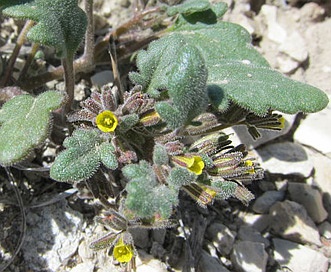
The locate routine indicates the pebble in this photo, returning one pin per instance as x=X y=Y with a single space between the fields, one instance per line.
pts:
x=314 y=132
x=208 y=263
x=299 y=258
x=52 y=237
x=249 y=256
x=259 y=222
x=285 y=158
x=247 y=233
x=275 y=31
x=221 y=237
x=291 y=221
x=263 y=203
x=310 y=198
x=295 y=46
x=325 y=230
x=102 y=78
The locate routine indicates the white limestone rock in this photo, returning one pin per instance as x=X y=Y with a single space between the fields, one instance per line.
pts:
x=297 y=257
x=310 y=198
x=295 y=46
x=291 y=221
x=249 y=256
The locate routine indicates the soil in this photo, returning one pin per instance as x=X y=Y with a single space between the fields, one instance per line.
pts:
x=50 y=205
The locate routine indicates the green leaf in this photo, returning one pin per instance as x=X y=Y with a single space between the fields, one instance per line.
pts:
x=189 y=7
x=174 y=71
x=60 y=23
x=237 y=72
x=81 y=158
x=107 y=156
x=25 y=124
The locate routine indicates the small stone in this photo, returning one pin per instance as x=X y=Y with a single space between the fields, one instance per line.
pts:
x=297 y=257
x=249 y=256
x=285 y=158
x=275 y=32
x=247 y=233
x=146 y=263
x=102 y=78
x=291 y=221
x=286 y=65
x=260 y=222
x=295 y=47
x=141 y=237
x=221 y=236
x=313 y=131
x=208 y=263
x=312 y=12
x=263 y=203
x=85 y=266
x=325 y=230
x=310 y=198
x=85 y=252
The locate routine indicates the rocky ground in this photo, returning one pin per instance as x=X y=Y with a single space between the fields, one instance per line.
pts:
x=286 y=228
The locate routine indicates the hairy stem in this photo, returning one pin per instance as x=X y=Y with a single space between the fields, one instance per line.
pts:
x=69 y=79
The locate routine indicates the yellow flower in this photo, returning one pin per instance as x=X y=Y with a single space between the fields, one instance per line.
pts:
x=106 y=121
x=250 y=164
x=123 y=252
x=193 y=163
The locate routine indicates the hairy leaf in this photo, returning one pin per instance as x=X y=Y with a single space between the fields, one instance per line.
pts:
x=80 y=160
x=60 y=23
x=85 y=151
x=25 y=124
x=174 y=71
x=237 y=72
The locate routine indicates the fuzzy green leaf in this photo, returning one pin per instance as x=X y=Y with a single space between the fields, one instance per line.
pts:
x=160 y=155
x=81 y=158
x=237 y=72
x=180 y=176
x=107 y=156
x=174 y=71
x=189 y=7
x=25 y=124
x=60 y=23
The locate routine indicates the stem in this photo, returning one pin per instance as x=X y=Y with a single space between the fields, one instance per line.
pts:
x=28 y=62
x=89 y=35
x=19 y=43
x=69 y=79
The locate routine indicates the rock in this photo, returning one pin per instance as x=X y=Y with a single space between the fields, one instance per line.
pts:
x=263 y=203
x=221 y=236
x=291 y=221
x=310 y=198
x=141 y=237
x=319 y=72
x=249 y=256
x=247 y=233
x=208 y=263
x=285 y=158
x=102 y=78
x=325 y=230
x=159 y=235
x=86 y=267
x=260 y=222
x=275 y=31
x=286 y=65
x=85 y=252
x=297 y=257
x=52 y=237
x=295 y=46
x=312 y=12
x=313 y=131
x=146 y=263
